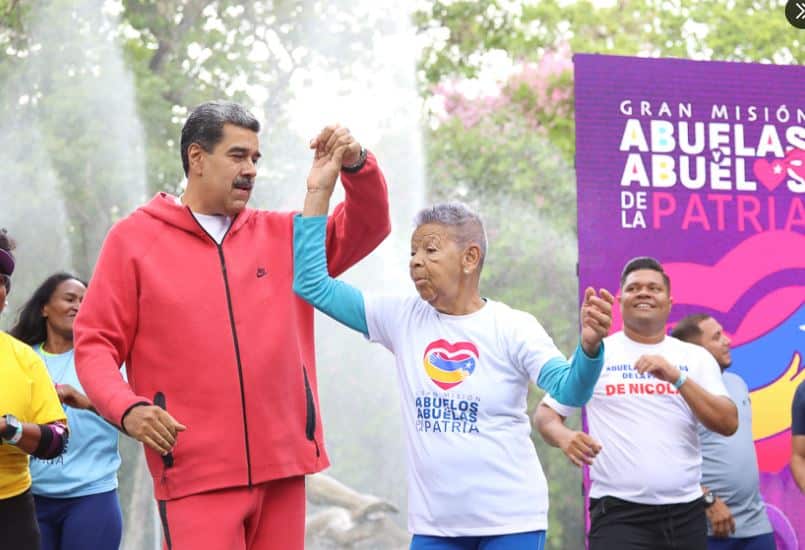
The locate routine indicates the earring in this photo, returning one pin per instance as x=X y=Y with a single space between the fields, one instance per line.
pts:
x=466 y=271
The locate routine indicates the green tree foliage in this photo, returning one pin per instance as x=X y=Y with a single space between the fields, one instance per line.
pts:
x=739 y=30
x=57 y=71
x=184 y=52
x=94 y=93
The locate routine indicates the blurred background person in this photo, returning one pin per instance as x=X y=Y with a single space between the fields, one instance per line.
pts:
x=798 y=436
x=736 y=514
x=76 y=497
x=32 y=422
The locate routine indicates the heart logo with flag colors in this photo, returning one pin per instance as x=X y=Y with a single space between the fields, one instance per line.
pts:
x=447 y=364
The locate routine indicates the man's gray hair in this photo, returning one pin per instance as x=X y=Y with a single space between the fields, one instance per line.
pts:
x=466 y=225
x=205 y=126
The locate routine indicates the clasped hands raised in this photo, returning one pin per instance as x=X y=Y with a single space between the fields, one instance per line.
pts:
x=334 y=148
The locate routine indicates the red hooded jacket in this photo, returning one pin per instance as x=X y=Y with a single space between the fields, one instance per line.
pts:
x=219 y=332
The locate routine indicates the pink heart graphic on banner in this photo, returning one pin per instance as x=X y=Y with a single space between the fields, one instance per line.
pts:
x=770 y=174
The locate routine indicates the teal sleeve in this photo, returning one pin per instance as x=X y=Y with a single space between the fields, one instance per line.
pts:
x=572 y=384
x=312 y=283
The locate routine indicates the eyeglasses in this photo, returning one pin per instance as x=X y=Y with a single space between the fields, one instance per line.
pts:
x=6 y=281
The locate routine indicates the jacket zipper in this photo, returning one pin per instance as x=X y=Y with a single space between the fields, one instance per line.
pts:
x=220 y=249
x=237 y=357
x=163 y=516
x=167 y=460
x=310 y=413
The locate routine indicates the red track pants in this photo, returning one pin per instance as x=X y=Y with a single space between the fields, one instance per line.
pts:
x=269 y=516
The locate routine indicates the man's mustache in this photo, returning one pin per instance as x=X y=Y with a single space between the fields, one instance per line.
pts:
x=243 y=183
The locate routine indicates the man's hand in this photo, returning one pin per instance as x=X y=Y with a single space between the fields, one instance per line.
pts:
x=658 y=367
x=596 y=318
x=72 y=397
x=580 y=448
x=334 y=148
x=153 y=426
x=721 y=519
x=327 y=141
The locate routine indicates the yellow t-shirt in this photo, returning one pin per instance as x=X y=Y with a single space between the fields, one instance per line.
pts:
x=27 y=392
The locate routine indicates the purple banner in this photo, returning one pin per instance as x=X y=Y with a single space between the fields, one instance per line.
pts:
x=702 y=166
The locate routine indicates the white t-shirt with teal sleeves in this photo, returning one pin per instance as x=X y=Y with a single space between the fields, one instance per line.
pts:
x=463 y=381
x=472 y=468
x=89 y=464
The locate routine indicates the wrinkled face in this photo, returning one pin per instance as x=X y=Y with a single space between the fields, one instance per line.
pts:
x=644 y=299
x=61 y=309
x=716 y=342
x=227 y=173
x=435 y=265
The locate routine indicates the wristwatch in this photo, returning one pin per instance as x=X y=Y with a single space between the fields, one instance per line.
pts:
x=709 y=499
x=13 y=432
x=352 y=168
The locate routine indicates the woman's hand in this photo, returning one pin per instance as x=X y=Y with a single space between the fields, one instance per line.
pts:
x=580 y=448
x=71 y=397
x=334 y=148
x=596 y=318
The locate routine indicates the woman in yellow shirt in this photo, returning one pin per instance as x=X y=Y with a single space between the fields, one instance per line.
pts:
x=32 y=422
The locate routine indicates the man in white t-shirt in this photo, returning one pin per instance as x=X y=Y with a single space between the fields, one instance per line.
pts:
x=653 y=392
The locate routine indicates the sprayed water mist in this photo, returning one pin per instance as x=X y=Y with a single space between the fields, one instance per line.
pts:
x=372 y=92
x=72 y=149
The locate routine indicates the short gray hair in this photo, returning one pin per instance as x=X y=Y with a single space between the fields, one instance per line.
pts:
x=467 y=226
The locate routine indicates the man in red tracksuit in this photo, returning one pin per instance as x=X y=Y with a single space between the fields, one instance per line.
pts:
x=194 y=295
